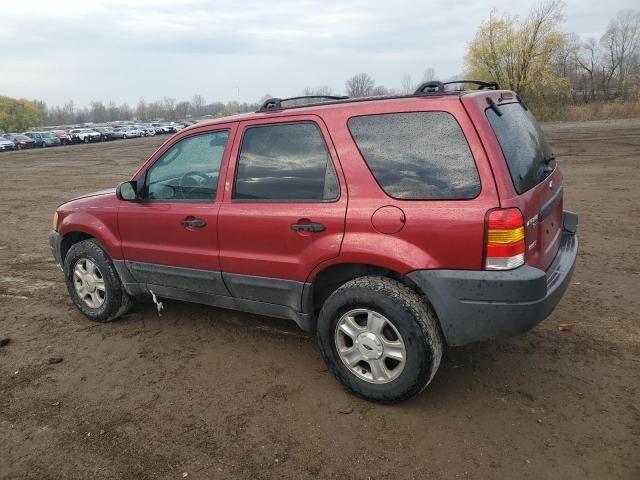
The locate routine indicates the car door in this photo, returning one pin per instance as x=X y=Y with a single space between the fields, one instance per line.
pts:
x=284 y=208
x=169 y=237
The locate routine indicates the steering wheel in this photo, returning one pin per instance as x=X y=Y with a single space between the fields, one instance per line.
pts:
x=189 y=182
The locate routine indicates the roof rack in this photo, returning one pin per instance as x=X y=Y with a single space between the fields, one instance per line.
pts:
x=430 y=87
x=435 y=87
x=427 y=88
x=276 y=103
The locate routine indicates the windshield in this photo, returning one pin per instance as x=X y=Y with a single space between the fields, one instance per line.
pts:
x=525 y=149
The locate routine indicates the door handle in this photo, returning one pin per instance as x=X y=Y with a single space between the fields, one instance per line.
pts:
x=193 y=223
x=308 y=227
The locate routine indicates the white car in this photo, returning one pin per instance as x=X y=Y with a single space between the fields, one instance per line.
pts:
x=132 y=132
x=147 y=130
x=6 y=144
x=159 y=128
x=84 y=135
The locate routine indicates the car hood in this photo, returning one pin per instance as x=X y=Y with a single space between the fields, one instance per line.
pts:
x=100 y=193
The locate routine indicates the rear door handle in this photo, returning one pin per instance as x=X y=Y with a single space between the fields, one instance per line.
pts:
x=193 y=223
x=308 y=227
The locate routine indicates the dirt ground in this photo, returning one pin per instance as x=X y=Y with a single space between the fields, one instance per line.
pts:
x=218 y=394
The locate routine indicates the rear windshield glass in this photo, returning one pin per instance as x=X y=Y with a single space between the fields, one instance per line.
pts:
x=417 y=155
x=523 y=145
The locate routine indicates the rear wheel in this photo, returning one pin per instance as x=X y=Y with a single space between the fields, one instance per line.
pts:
x=380 y=339
x=86 y=139
x=93 y=283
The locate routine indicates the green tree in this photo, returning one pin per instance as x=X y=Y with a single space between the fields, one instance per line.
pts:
x=18 y=115
x=517 y=53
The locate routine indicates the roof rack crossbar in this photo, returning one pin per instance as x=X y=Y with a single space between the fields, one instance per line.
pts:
x=435 y=87
x=430 y=87
x=481 y=85
x=276 y=103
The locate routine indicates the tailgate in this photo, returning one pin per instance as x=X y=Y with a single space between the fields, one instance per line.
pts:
x=542 y=210
x=535 y=177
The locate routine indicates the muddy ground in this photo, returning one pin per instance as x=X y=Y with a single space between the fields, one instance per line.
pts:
x=218 y=394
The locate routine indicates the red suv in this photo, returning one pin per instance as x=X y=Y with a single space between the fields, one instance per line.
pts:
x=390 y=226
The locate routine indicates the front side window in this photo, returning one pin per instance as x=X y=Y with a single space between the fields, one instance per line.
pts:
x=285 y=162
x=417 y=155
x=189 y=170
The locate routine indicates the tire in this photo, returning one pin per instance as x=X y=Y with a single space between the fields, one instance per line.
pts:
x=86 y=139
x=408 y=321
x=116 y=302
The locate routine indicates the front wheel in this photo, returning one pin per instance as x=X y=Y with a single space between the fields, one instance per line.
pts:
x=93 y=283
x=380 y=339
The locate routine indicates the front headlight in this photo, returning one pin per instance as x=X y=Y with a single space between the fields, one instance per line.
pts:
x=55 y=221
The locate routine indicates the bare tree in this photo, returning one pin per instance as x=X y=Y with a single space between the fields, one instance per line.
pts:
x=322 y=90
x=587 y=60
x=124 y=111
x=197 y=103
x=112 y=111
x=406 y=85
x=98 y=112
x=379 y=91
x=182 y=109
x=429 y=74
x=610 y=62
x=360 y=85
x=155 y=111
x=622 y=43
x=564 y=59
x=44 y=110
x=142 y=110
x=68 y=112
x=169 y=105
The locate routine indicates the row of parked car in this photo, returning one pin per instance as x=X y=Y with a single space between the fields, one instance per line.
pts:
x=52 y=138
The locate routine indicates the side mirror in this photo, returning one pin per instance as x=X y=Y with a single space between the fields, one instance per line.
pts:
x=127 y=191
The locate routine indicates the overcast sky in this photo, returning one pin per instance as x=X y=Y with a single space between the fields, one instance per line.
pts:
x=124 y=50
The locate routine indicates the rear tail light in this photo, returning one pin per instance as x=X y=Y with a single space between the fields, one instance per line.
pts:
x=505 y=239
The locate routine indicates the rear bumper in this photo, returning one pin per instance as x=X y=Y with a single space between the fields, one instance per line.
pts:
x=480 y=305
x=55 y=241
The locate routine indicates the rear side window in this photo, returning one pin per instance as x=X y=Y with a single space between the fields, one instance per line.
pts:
x=285 y=162
x=523 y=145
x=417 y=155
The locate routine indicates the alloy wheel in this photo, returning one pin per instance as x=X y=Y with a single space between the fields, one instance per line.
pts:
x=370 y=346
x=89 y=283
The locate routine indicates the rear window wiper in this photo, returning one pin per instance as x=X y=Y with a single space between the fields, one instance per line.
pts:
x=547 y=165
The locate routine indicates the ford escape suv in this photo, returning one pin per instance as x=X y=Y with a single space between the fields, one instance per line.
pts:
x=390 y=226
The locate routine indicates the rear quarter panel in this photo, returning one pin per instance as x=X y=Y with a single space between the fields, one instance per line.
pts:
x=437 y=233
